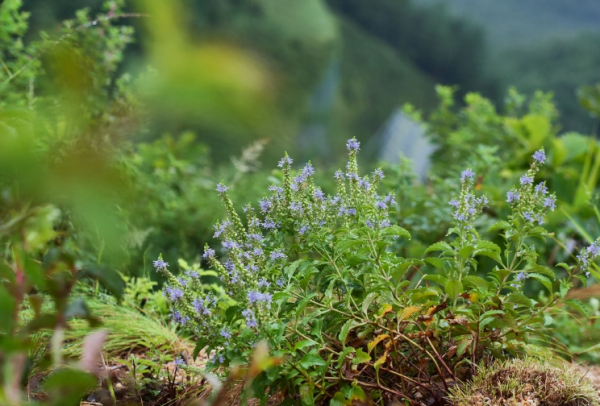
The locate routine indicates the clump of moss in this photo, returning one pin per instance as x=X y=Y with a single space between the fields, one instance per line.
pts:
x=525 y=382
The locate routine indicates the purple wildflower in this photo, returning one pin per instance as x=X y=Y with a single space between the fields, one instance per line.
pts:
x=160 y=264
x=540 y=156
x=208 y=253
x=467 y=174
x=550 y=202
x=338 y=175
x=390 y=199
x=221 y=188
x=308 y=170
x=225 y=334
x=521 y=277
x=263 y=282
x=365 y=184
x=381 y=205
x=179 y=361
x=454 y=203
x=230 y=244
x=268 y=223
x=352 y=145
x=526 y=180
x=512 y=196
x=280 y=282
x=250 y=319
x=277 y=254
x=296 y=206
x=351 y=211
x=303 y=229
x=265 y=205
x=285 y=160
x=378 y=174
x=528 y=216
x=174 y=293
x=541 y=188
x=384 y=223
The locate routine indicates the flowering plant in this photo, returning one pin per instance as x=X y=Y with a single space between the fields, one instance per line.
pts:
x=315 y=276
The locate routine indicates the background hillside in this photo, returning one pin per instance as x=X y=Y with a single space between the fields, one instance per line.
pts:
x=340 y=67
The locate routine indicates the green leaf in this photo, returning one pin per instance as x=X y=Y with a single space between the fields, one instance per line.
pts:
x=302 y=305
x=440 y=246
x=519 y=299
x=491 y=313
x=543 y=279
x=485 y=322
x=488 y=249
x=396 y=231
x=500 y=225
x=578 y=306
x=303 y=344
x=344 y=331
x=368 y=300
x=462 y=346
x=465 y=252
x=476 y=282
x=439 y=279
x=200 y=344
x=345 y=352
x=543 y=270
x=345 y=245
x=454 y=288
x=311 y=359
x=436 y=262
x=361 y=357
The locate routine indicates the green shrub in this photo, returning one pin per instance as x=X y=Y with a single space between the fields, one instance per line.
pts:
x=322 y=286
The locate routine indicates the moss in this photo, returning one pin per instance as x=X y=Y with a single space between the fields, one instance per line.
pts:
x=525 y=381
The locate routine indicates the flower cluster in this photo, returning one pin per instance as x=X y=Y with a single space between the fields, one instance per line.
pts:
x=531 y=201
x=467 y=207
x=587 y=256
x=253 y=257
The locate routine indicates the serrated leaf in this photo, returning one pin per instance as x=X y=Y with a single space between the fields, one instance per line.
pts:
x=543 y=279
x=396 y=231
x=310 y=360
x=439 y=279
x=577 y=305
x=345 y=245
x=440 y=246
x=466 y=251
x=436 y=262
x=454 y=288
x=500 y=225
x=476 y=282
x=519 y=299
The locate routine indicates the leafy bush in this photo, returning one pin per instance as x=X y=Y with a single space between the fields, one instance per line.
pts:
x=315 y=277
